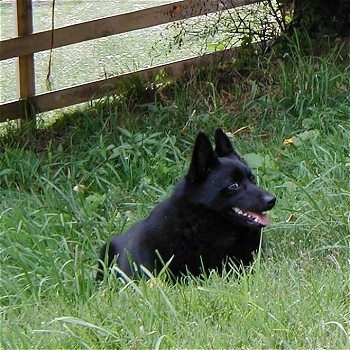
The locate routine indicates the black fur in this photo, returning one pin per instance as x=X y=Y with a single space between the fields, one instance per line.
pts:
x=198 y=227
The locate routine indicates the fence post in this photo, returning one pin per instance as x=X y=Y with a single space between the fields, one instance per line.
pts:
x=25 y=67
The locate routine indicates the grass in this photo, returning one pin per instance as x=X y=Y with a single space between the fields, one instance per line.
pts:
x=67 y=187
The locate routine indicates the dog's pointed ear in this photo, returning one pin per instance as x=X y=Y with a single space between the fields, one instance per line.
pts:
x=203 y=159
x=223 y=145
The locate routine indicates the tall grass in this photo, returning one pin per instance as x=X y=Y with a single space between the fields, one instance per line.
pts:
x=67 y=188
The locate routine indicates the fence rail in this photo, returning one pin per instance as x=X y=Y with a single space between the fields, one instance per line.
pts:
x=27 y=43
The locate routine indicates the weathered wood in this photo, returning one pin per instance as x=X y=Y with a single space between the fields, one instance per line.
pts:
x=25 y=66
x=28 y=44
x=85 y=92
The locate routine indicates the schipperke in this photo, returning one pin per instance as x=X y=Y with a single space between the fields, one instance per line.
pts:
x=215 y=214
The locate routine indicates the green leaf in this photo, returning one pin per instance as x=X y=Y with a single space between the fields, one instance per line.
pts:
x=301 y=138
x=255 y=160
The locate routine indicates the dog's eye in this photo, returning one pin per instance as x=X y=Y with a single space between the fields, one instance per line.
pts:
x=234 y=186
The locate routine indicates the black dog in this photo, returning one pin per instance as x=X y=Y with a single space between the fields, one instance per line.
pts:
x=214 y=214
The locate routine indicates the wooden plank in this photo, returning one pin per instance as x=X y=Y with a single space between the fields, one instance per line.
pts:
x=28 y=44
x=25 y=66
x=86 y=92
x=11 y=110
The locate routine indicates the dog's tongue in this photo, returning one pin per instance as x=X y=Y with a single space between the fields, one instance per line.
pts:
x=264 y=220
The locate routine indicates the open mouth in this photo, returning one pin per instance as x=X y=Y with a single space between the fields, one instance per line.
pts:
x=250 y=217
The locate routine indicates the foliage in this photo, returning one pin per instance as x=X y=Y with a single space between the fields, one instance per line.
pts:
x=69 y=186
x=259 y=23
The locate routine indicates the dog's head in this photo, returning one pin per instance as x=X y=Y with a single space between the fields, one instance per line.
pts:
x=222 y=181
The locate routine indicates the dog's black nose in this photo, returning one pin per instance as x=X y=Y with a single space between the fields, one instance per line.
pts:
x=269 y=201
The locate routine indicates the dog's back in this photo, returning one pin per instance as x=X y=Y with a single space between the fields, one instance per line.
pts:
x=214 y=214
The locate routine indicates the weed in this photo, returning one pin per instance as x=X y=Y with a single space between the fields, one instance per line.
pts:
x=65 y=189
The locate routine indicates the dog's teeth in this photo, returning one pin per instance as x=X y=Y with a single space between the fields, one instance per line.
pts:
x=238 y=211
x=246 y=215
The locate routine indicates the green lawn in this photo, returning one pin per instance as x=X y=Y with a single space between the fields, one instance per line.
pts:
x=67 y=187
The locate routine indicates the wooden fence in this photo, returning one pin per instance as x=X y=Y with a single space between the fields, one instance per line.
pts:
x=27 y=43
